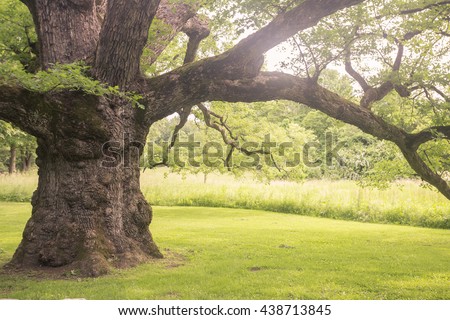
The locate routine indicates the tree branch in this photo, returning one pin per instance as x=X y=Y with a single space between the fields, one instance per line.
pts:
x=376 y=94
x=24 y=109
x=196 y=29
x=353 y=73
x=184 y=116
x=424 y=171
x=232 y=140
x=124 y=34
x=279 y=86
x=243 y=61
x=430 y=6
x=174 y=17
x=286 y=25
x=439 y=92
x=417 y=139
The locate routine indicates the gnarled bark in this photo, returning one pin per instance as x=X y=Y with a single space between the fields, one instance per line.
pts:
x=88 y=211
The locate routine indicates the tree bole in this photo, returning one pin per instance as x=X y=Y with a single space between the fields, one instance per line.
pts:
x=88 y=211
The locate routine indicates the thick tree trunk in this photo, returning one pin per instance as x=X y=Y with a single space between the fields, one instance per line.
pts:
x=88 y=211
x=12 y=159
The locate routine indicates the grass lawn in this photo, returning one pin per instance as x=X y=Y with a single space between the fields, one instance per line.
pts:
x=216 y=253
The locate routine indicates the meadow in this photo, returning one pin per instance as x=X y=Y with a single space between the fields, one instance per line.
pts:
x=404 y=203
x=218 y=253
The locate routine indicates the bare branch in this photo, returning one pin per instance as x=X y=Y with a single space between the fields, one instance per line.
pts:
x=353 y=73
x=196 y=29
x=230 y=140
x=184 y=117
x=174 y=17
x=433 y=133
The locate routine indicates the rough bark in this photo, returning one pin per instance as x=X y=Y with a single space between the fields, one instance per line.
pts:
x=122 y=39
x=27 y=110
x=67 y=30
x=88 y=211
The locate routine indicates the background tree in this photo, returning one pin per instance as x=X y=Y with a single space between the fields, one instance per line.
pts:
x=17 y=149
x=88 y=211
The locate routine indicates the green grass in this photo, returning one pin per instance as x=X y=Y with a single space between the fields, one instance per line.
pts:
x=244 y=254
x=404 y=203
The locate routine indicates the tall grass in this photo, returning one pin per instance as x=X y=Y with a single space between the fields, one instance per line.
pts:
x=17 y=187
x=404 y=203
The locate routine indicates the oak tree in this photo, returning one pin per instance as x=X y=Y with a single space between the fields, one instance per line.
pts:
x=88 y=210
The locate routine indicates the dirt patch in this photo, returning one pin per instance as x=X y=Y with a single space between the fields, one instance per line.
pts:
x=256 y=269
x=285 y=246
x=173 y=295
x=173 y=259
x=72 y=272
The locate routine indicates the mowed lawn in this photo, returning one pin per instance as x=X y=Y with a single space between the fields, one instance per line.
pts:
x=215 y=253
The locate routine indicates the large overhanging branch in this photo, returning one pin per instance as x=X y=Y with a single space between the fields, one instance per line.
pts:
x=242 y=61
x=279 y=86
x=286 y=25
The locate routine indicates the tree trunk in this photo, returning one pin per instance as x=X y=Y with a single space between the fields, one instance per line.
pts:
x=12 y=159
x=27 y=161
x=88 y=211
